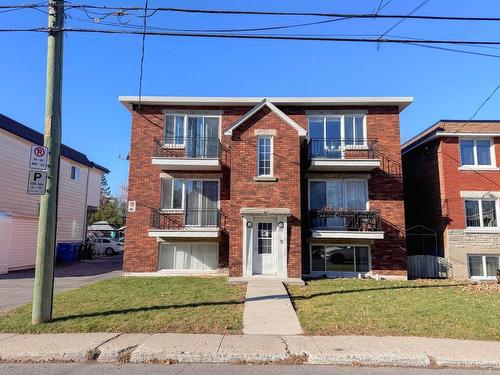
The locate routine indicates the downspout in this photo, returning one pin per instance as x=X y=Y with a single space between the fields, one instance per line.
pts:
x=84 y=239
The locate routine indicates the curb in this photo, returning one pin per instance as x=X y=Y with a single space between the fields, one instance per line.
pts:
x=250 y=349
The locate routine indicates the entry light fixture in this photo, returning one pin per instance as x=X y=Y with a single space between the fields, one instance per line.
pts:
x=281 y=225
x=249 y=224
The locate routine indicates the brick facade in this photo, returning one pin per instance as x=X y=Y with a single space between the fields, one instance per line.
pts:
x=238 y=189
x=434 y=181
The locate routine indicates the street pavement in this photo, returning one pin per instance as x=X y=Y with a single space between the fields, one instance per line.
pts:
x=16 y=288
x=211 y=369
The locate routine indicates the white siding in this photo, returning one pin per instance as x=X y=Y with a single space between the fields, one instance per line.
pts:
x=72 y=205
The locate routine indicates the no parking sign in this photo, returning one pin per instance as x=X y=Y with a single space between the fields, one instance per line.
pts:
x=38 y=157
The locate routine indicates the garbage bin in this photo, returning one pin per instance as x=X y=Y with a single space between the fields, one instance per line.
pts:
x=64 y=252
x=75 y=247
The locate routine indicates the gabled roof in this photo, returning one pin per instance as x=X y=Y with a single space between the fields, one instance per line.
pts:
x=266 y=103
x=22 y=131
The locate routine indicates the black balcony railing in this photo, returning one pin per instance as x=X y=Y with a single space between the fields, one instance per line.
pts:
x=188 y=218
x=345 y=148
x=188 y=147
x=345 y=219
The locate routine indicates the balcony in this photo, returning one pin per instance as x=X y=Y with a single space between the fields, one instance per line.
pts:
x=345 y=223
x=188 y=223
x=330 y=154
x=187 y=154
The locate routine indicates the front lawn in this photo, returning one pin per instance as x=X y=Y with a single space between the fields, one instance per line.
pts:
x=398 y=308
x=141 y=304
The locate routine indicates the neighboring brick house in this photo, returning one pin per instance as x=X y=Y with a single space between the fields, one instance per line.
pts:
x=278 y=187
x=452 y=192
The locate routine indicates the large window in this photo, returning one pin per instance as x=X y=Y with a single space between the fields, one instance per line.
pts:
x=351 y=194
x=476 y=152
x=330 y=136
x=483 y=266
x=199 y=134
x=481 y=213
x=340 y=258
x=264 y=155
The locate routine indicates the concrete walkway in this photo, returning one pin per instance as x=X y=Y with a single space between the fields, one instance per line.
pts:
x=268 y=310
x=190 y=348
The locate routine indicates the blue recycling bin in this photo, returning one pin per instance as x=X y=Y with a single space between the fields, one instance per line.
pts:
x=75 y=248
x=64 y=252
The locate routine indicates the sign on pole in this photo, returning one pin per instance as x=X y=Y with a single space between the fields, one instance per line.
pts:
x=37 y=180
x=131 y=206
x=38 y=157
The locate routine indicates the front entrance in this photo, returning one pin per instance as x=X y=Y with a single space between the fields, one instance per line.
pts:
x=264 y=251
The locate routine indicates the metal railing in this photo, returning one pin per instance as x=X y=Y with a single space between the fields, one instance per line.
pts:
x=188 y=147
x=345 y=148
x=345 y=219
x=187 y=218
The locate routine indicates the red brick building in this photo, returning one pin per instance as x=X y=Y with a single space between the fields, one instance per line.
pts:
x=279 y=187
x=452 y=195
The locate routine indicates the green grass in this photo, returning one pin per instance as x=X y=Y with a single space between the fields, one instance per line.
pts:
x=145 y=304
x=398 y=308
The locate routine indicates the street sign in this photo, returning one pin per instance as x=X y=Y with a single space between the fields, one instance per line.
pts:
x=37 y=180
x=38 y=157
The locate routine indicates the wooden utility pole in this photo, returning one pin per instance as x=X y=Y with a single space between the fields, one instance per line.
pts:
x=47 y=223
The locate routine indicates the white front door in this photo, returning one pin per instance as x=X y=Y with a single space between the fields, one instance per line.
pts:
x=264 y=251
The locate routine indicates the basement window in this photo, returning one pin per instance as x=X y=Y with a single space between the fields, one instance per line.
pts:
x=483 y=266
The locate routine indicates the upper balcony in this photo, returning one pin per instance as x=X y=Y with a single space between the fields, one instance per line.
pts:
x=186 y=223
x=332 y=154
x=187 y=154
x=328 y=222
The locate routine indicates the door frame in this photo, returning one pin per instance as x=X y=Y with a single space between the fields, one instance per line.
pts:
x=274 y=247
x=280 y=244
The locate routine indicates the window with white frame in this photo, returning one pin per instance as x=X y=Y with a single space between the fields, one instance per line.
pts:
x=329 y=135
x=476 y=152
x=264 y=155
x=198 y=133
x=172 y=194
x=481 y=213
x=351 y=194
x=75 y=173
x=483 y=266
x=340 y=258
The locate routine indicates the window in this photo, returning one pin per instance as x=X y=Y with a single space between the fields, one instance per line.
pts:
x=200 y=134
x=351 y=194
x=172 y=193
x=264 y=238
x=330 y=135
x=476 y=152
x=340 y=258
x=264 y=156
x=75 y=173
x=483 y=266
x=481 y=213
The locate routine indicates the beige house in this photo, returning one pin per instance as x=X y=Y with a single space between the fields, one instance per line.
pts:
x=79 y=190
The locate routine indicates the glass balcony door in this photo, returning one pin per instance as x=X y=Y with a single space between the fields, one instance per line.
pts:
x=202 y=199
x=202 y=137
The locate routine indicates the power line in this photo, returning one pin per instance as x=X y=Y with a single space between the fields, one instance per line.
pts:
x=265 y=13
x=404 y=19
x=142 y=52
x=264 y=36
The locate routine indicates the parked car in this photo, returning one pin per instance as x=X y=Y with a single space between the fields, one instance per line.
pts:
x=108 y=246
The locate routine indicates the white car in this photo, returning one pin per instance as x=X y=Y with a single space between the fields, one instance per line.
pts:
x=108 y=246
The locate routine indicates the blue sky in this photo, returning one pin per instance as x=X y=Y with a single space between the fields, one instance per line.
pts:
x=98 y=68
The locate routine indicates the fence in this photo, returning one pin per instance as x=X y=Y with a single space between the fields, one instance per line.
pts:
x=427 y=267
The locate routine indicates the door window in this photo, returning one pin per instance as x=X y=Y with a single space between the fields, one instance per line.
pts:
x=264 y=238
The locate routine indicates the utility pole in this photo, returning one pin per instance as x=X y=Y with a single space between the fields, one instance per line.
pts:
x=47 y=223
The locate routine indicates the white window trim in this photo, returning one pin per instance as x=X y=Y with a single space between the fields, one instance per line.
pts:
x=185 y=115
x=482 y=228
x=492 y=165
x=344 y=183
x=271 y=155
x=484 y=266
x=77 y=174
x=183 y=203
x=340 y=115
x=351 y=273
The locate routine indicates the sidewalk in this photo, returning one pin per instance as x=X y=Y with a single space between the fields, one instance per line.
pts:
x=170 y=347
x=268 y=310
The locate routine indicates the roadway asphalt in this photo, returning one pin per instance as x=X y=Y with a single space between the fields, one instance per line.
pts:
x=16 y=288
x=207 y=369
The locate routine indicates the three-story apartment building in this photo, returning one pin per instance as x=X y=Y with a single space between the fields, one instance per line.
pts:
x=256 y=187
x=452 y=195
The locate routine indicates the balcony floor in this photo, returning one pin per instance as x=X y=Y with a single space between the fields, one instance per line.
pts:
x=187 y=164
x=325 y=164
x=367 y=235
x=187 y=233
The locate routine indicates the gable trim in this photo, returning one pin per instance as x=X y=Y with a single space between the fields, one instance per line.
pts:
x=272 y=107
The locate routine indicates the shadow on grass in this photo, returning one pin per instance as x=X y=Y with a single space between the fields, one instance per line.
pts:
x=144 y=309
x=333 y=292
